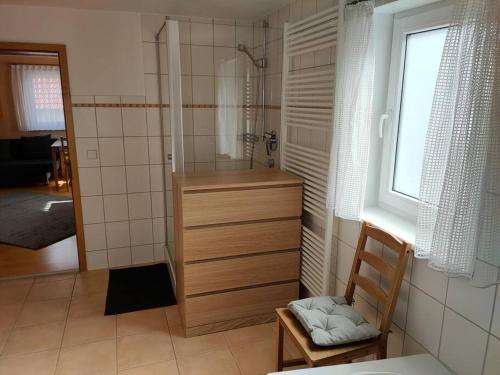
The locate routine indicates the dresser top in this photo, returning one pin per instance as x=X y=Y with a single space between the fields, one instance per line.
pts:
x=248 y=178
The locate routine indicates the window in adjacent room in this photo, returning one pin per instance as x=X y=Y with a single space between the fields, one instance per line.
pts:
x=37 y=97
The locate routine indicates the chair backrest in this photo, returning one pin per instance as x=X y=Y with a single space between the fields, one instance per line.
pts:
x=394 y=275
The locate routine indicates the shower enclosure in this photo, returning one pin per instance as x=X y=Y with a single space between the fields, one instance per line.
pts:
x=239 y=137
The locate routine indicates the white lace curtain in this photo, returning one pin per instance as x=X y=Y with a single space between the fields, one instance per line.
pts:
x=458 y=225
x=37 y=97
x=353 y=111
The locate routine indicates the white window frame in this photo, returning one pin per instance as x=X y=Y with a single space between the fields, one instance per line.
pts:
x=408 y=22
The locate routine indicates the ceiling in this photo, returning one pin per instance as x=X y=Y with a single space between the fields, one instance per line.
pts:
x=242 y=9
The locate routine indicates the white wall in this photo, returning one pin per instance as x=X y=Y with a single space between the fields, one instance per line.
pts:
x=104 y=48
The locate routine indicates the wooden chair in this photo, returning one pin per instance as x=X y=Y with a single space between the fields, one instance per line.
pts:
x=314 y=355
x=65 y=162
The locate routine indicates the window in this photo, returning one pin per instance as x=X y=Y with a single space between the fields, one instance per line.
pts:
x=417 y=47
x=38 y=97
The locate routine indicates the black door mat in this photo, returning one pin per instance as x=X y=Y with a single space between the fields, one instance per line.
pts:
x=139 y=288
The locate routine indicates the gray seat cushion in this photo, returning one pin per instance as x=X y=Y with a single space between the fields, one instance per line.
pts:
x=331 y=321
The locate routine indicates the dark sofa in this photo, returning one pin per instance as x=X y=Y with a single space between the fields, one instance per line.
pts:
x=25 y=160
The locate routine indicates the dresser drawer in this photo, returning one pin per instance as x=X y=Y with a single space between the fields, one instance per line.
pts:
x=239 y=304
x=227 y=206
x=226 y=274
x=240 y=239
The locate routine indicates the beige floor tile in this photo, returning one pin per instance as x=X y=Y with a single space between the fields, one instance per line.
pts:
x=89 y=329
x=140 y=322
x=88 y=304
x=173 y=316
x=90 y=284
x=43 y=312
x=13 y=293
x=9 y=315
x=54 y=277
x=34 y=338
x=213 y=363
x=241 y=336
x=139 y=350
x=51 y=290
x=186 y=347
x=42 y=363
x=93 y=358
x=162 y=368
x=90 y=274
x=3 y=338
x=256 y=357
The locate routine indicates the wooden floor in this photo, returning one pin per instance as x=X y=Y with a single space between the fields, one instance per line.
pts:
x=60 y=256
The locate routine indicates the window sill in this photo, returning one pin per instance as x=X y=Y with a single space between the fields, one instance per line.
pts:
x=391 y=223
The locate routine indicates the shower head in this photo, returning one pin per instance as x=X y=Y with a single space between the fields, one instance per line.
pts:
x=259 y=63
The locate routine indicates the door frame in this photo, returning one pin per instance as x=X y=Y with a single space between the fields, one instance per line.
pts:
x=60 y=49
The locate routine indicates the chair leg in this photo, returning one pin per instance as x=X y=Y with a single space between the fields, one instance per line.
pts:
x=280 y=346
x=382 y=353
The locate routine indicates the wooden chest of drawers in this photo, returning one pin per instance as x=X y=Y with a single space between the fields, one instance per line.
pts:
x=237 y=239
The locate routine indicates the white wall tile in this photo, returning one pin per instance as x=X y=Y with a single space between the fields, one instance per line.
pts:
x=425 y=317
x=151 y=86
x=432 y=282
x=142 y=254
x=139 y=205
x=136 y=150
x=202 y=33
x=492 y=363
x=170 y=228
x=153 y=121
x=156 y=177
x=97 y=260
x=395 y=342
x=113 y=180
x=170 y=206
x=187 y=90
x=159 y=230
x=159 y=252
x=203 y=90
x=92 y=210
x=349 y=232
x=188 y=150
x=463 y=345
x=141 y=232
x=134 y=122
x=85 y=122
x=119 y=257
x=495 y=325
x=224 y=66
x=411 y=347
x=224 y=35
x=115 y=207
x=474 y=303
x=138 y=179
x=109 y=122
x=111 y=151
x=185 y=51
x=244 y=35
x=118 y=234
x=107 y=99
x=204 y=121
x=87 y=152
x=184 y=32
x=202 y=60
x=204 y=148
x=95 y=237
x=345 y=258
x=90 y=181
x=155 y=150
x=158 y=204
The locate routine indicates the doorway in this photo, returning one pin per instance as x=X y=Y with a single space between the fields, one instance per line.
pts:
x=41 y=230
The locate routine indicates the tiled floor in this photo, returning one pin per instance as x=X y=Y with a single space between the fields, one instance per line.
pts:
x=55 y=325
